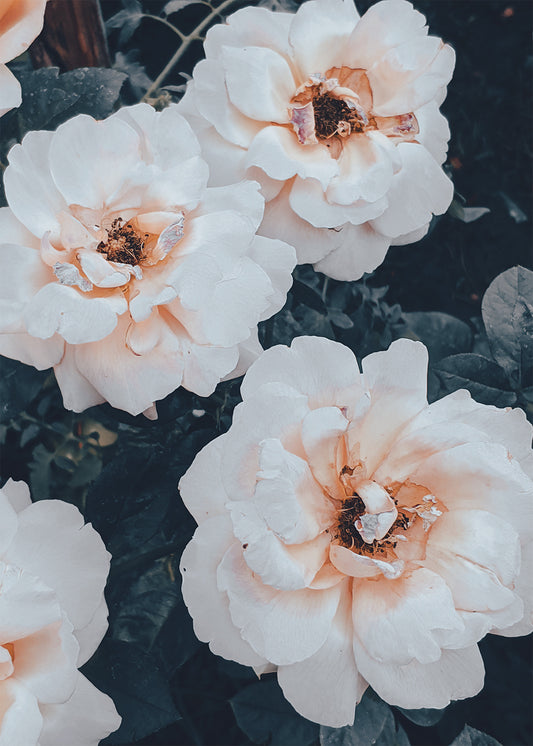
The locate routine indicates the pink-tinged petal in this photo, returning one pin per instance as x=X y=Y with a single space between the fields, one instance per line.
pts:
x=367 y=164
x=362 y=250
x=326 y=687
x=279 y=566
x=206 y=366
x=434 y=131
x=411 y=237
x=100 y=272
x=26 y=603
x=6 y=664
x=321 y=430
x=419 y=190
x=480 y=476
x=358 y=566
x=20 y=719
x=384 y=26
x=277 y=259
x=394 y=619
x=30 y=189
x=181 y=186
x=22 y=22
x=10 y=91
x=201 y=487
x=12 y=231
x=396 y=380
x=53 y=543
x=249 y=351
x=311 y=244
x=243 y=198
x=277 y=151
x=90 y=636
x=46 y=662
x=259 y=82
x=287 y=497
x=84 y=719
x=260 y=612
x=128 y=380
x=456 y=675
x=211 y=99
x=77 y=318
x=479 y=537
x=78 y=394
x=104 y=152
x=318 y=34
x=308 y=200
x=523 y=587
x=226 y=160
x=8 y=515
x=276 y=411
x=40 y=353
x=411 y=75
x=207 y=604
x=325 y=371
x=18 y=494
x=267 y=29
x=23 y=275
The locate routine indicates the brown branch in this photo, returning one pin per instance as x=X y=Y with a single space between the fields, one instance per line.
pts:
x=73 y=36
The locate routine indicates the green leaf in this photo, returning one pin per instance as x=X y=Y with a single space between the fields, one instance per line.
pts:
x=40 y=472
x=373 y=719
x=264 y=714
x=442 y=334
x=174 y=6
x=471 y=737
x=126 y=20
x=19 y=385
x=485 y=380
x=424 y=716
x=507 y=310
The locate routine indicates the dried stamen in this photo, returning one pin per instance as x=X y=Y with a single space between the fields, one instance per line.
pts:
x=333 y=116
x=123 y=244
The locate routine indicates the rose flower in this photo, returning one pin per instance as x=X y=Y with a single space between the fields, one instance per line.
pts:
x=21 y=22
x=53 y=615
x=350 y=534
x=123 y=271
x=337 y=117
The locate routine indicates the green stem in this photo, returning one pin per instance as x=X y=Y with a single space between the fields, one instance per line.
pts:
x=185 y=44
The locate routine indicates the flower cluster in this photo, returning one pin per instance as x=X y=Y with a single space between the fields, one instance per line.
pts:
x=123 y=270
x=53 y=616
x=20 y=23
x=337 y=116
x=351 y=534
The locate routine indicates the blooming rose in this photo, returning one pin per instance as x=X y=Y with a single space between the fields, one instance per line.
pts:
x=123 y=271
x=20 y=22
x=337 y=117
x=351 y=534
x=53 y=616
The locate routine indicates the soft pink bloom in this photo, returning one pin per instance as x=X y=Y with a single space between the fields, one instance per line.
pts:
x=53 y=615
x=337 y=116
x=21 y=22
x=351 y=534
x=119 y=267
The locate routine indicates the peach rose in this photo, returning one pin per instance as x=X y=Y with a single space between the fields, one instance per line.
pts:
x=53 y=615
x=337 y=116
x=121 y=269
x=351 y=534
x=21 y=21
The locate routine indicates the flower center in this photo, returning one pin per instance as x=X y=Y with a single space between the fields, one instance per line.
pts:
x=124 y=244
x=333 y=116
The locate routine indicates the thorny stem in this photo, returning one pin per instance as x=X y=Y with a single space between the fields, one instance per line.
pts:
x=185 y=44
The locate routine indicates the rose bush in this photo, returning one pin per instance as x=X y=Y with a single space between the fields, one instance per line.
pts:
x=337 y=117
x=53 y=615
x=21 y=22
x=350 y=534
x=121 y=269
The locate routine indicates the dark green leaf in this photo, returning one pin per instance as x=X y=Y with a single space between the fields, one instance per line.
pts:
x=19 y=385
x=40 y=472
x=485 y=380
x=424 y=716
x=471 y=737
x=442 y=334
x=507 y=310
x=307 y=296
x=48 y=99
x=373 y=717
x=176 y=5
x=340 y=319
x=264 y=714
x=126 y=20
x=138 y=687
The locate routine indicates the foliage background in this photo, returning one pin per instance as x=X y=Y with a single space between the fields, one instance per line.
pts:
x=122 y=471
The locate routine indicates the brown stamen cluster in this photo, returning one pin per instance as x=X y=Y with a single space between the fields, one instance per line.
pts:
x=334 y=116
x=348 y=536
x=123 y=244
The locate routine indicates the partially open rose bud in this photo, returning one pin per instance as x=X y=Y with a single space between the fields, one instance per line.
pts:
x=351 y=534
x=337 y=116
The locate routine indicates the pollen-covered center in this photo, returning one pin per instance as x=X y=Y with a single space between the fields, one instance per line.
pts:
x=333 y=116
x=124 y=244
